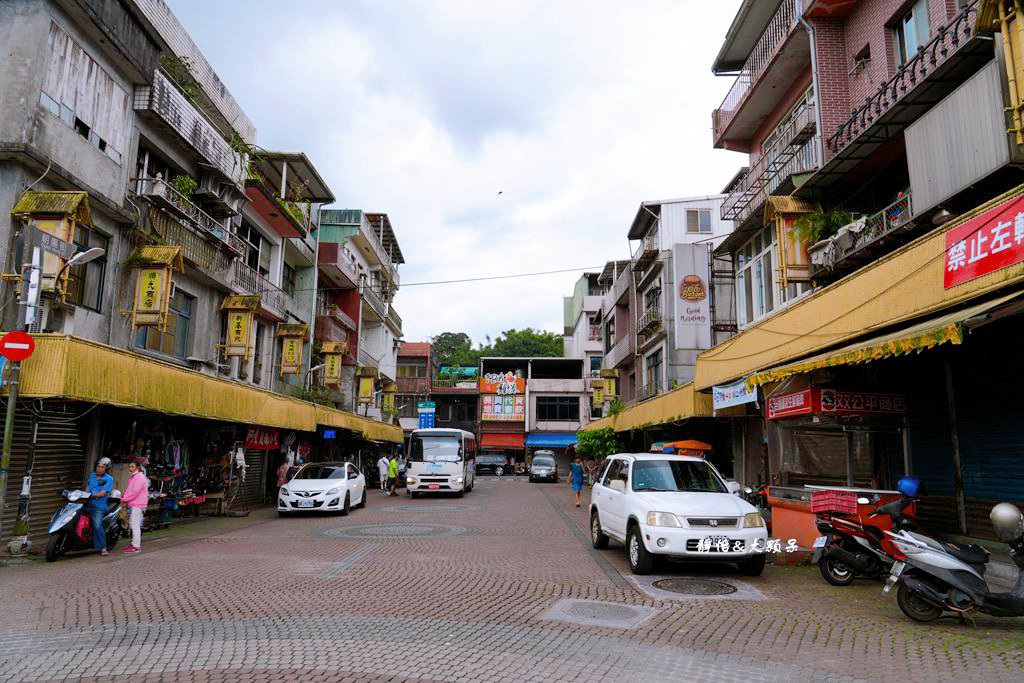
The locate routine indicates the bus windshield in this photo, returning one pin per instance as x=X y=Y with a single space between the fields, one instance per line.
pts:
x=435 y=448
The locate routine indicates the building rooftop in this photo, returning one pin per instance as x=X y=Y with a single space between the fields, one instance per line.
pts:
x=421 y=349
x=750 y=21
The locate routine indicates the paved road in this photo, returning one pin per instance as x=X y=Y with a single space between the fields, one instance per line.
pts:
x=501 y=585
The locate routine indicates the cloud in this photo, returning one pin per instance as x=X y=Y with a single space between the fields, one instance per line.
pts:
x=575 y=111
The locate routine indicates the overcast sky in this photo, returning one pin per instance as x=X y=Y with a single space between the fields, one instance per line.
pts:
x=574 y=111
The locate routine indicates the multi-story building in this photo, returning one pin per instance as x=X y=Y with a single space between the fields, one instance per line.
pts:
x=583 y=332
x=417 y=367
x=196 y=319
x=558 y=405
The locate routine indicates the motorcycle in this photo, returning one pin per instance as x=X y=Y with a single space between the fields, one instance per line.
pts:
x=758 y=497
x=71 y=528
x=936 y=577
x=854 y=544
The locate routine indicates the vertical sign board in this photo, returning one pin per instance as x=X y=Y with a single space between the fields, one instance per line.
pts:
x=427 y=412
x=151 y=297
x=332 y=369
x=239 y=325
x=692 y=296
x=366 y=389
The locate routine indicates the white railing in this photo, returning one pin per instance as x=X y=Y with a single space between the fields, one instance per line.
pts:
x=648 y=245
x=652 y=316
x=159 y=189
x=375 y=301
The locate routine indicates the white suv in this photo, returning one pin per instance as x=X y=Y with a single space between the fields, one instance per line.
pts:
x=676 y=506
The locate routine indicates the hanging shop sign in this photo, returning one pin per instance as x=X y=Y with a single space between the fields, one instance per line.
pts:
x=693 y=298
x=292 y=338
x=735 y=394
x=263 y=438
x=988 y=242
x=499 y=408
x=53 y=217
x=835 y=402
x=502 y=383
x=388 y=398
x=366 y=389
x=782 y=213
x=333 y=353
x=241 y=310
x=153 y=284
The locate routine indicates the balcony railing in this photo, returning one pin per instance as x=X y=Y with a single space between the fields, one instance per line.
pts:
x=174 y=110
x=778 y=29
x=646 y=252
x=394 y=320
x=650 y=319
x=932 y=55
x=374 y=301
x=464 y=384
x=620 y=351
x=249 y=281
x=161 y=193
x=326 y=309
x=196 y=248
x=413 y=385
x=857 y=237
x=647 y=391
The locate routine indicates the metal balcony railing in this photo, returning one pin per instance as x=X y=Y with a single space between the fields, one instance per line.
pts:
x=196 y=248
x=329 y=310
x=934 y=53
x=650 y=319
x=647 y=391
x=249 y=281
x=854 y=239
x=786 y=19
x=465 y=383
x=646 y=252
x=375 y=301
x=158 y=191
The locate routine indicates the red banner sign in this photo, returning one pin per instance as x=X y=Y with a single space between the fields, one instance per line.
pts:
x=986 y=243
x=263 y=438
x=835 y=402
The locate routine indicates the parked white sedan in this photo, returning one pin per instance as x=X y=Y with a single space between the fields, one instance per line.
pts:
x=676 y=506
x=323 y=487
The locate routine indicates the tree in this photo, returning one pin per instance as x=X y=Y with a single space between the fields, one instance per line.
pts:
x=454 y=348
x=527 y=342
x=597 y=444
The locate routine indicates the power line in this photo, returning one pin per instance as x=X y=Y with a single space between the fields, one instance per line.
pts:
x=468 y=279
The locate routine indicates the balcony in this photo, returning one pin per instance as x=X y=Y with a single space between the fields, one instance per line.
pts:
x=288 y=219
x=862 y=241
x=159 y=192
x=952 y=56
x=394 y=321
x=649 y=321
x=782 y=52
x=332 y=323
x=196 y=249
x=413 y=385
x=248 y=281
x=455 y=386
x=366 y=359
x=376 y=240
x=163 y=105
x=337 y=266
x=594 y=333
x=647 y=391
x=621 y=351
x=647 y=252
x=374 y=306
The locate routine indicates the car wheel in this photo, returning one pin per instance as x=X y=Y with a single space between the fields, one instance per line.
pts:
x=413 y=494
x=597 y=537
x=362 y=503
x=835 y=572
x=346 y=507
x=498 y=471
x=752 y=566
x=640 y=560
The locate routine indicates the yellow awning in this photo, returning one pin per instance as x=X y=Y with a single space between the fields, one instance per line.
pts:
x=78 y=369
x=165 y=256
x=924 y=335
x=74 y=204
x=680 y=403
x=779 y=204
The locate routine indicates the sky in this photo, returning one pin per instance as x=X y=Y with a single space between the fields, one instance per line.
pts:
x=499 y=137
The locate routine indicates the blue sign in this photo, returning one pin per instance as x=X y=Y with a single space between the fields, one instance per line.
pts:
x=3 y=368
x=330 y=433
x=426 y=420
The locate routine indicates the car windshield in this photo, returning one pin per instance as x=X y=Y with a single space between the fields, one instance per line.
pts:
x=321 y=472
x=675 y=475
x=435 y=448
x=544 y=462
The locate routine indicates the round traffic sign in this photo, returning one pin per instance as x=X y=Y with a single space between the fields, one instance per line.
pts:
x=17 y=345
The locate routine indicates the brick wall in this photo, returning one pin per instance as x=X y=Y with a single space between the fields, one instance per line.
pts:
x=833 y=82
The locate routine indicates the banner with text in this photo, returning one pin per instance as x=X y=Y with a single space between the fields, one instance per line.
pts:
x=693 y=296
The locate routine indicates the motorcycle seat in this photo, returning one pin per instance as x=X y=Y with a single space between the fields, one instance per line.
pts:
x=969 y=553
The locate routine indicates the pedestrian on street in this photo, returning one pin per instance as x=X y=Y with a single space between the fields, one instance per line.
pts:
x=99 y=485
x=382 y=471
x=393 y=475
x=136 y=497
x=282 y=473
x=576 y=478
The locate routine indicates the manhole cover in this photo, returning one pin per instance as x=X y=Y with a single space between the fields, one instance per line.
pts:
x=594 y=613
x=392 y=531
x=689 y=586
x=439 y=508
x=594 y=610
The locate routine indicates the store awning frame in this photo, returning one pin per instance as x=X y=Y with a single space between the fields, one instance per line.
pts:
x=681 y=403
x=550 y=440
x=935 y=331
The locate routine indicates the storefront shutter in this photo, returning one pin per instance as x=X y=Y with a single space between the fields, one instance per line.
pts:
x=255 y=478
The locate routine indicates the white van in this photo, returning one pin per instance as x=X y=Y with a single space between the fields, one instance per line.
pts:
x=440 y=461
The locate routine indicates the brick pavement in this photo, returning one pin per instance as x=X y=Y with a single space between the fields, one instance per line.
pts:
x=409 y=589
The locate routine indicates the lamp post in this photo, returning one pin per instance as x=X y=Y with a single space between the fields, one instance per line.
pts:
x=309 y=374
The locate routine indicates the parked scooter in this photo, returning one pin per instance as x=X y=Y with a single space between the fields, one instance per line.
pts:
x=937 y=577
x=855 y=544
x=71 y=527
x=758 y=497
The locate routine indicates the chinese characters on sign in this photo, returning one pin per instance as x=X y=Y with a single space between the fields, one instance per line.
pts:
x=735 y=394
x=789 y=405
x=986 y=243
x=150 y=299
x=720 y=544
x=497 y=408
x=504 y=384
x=239 y=324
x=835 y=402
x=332 y=368
x=263 y=438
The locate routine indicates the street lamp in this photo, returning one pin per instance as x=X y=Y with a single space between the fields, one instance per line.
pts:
x=309 y=373
x=78 y=259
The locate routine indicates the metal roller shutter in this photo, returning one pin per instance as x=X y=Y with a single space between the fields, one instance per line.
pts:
x=255 y=478
x=59 y=464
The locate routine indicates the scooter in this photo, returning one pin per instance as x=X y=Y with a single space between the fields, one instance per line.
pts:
x=71 y=528
x=855 y=545
x=758 y=497
x=937 y=577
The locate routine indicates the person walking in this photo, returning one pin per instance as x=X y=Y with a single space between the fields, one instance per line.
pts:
x=99 y=485
x=136 y=497
x=393 y=475
x=576 y=478
x=382 y=471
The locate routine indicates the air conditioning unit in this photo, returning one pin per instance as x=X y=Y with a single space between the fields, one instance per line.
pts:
x=209 y=187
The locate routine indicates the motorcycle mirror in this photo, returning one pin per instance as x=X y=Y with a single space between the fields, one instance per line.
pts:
x=863 y=501
x=748 y=490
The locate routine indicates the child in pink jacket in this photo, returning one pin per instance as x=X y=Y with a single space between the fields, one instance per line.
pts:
x=136 y=497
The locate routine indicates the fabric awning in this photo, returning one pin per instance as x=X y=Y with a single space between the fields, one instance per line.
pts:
x=930 y=333
x=679 y=404
x=548 y=440
x=502 y=440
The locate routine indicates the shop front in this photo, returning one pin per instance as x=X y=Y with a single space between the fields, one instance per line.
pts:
x=563 y=445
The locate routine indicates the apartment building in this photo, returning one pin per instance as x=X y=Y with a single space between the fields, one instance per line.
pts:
x=583 y=317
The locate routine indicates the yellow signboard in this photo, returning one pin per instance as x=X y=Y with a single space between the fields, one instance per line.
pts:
x=332 y=368
x=291 y=355
x=598 y=397
x=366 y=389
x=152 y=294
x=239 y=326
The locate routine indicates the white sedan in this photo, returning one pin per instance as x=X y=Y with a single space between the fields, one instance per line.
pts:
x=323 y=487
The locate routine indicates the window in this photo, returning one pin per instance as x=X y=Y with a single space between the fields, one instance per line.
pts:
x=85 y=282
x=652 y=299
x=173 y=341
x=653 y=372
x=558 y=408
x=698 y=221
x=257 y=355
x=288 y=278
x=912 y=32
x=412 y=370
x=84 y=96
x=755 y=278
x=675 y=475
x=609 y=335
x=618 y=470
x=595 y=365
x=257 y=252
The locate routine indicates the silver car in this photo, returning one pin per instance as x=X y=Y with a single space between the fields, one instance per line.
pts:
x=543 y=467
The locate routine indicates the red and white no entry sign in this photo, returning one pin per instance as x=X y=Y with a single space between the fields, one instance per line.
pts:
x=17 y=346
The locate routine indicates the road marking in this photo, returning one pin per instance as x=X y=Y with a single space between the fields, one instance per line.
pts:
x=335 y=570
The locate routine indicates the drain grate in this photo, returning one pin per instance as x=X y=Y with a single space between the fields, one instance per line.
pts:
x=398 y=531
x=438 y=508
x=594 y=613
x=691 y=586
x=595 y=610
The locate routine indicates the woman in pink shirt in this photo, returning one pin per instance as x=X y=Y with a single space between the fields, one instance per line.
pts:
x=136 y=497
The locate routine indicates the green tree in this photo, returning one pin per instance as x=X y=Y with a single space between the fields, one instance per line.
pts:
x=527 y=342
x=454 y=348
x=597 y=444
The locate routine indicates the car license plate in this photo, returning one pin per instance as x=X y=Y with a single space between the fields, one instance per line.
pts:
x=305 y=503
x=433 y=486
x=894 y=575
x=820 y=541
x=715 y=540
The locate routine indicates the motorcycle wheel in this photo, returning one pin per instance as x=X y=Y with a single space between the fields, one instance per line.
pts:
x=55 y=547
x=836 y=573
x=916 y=607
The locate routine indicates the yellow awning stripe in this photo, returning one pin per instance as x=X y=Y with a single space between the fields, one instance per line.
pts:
x=947 y=329
x=680 y=403
x=78 y=369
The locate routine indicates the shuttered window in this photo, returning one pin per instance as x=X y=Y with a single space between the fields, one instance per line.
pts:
x=83 y=94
